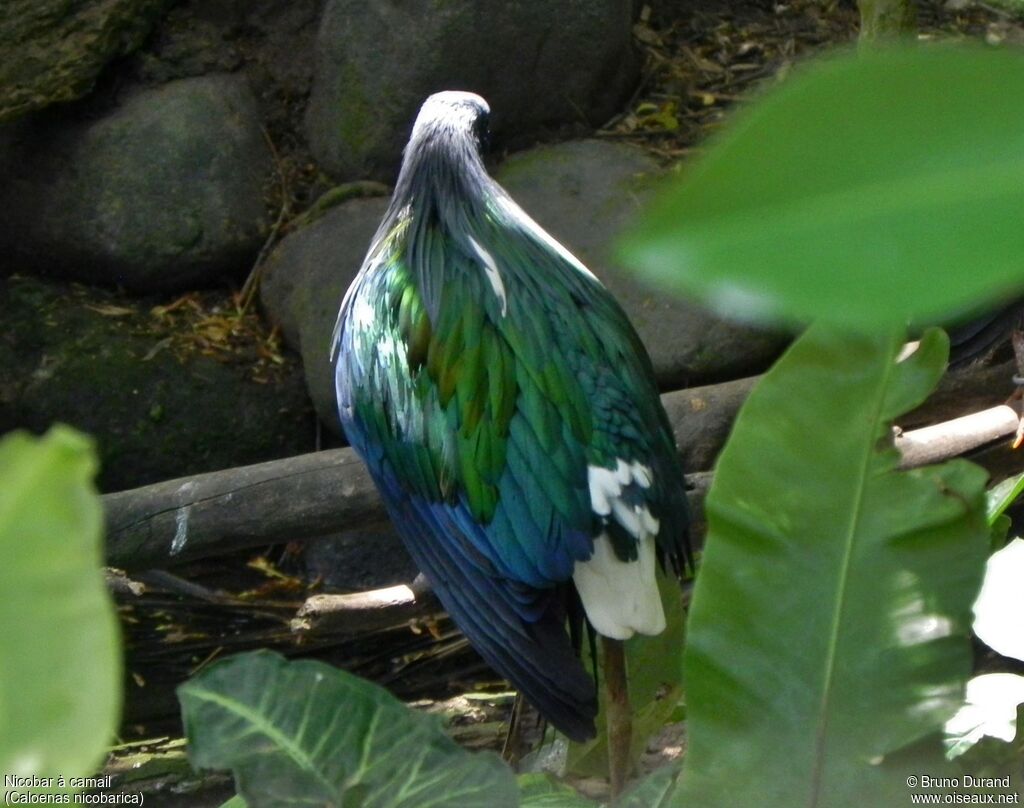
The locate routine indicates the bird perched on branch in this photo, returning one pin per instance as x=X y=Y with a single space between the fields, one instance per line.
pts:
x=510 y=418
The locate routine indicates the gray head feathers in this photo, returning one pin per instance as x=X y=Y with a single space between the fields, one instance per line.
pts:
x=443 y=165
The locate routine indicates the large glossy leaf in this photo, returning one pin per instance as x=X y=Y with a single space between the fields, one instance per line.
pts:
x=1002 y=496
x=990 y=710
x=306 y=734
x=653 y=791
x=868 y=189
x=60 y=677
x=655 y=675
x=830 y=620
x=999 y=610
x=542 y=791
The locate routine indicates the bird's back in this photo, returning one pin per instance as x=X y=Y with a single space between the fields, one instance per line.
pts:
x=510 y=418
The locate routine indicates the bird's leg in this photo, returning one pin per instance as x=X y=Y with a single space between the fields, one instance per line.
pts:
x=618 y=712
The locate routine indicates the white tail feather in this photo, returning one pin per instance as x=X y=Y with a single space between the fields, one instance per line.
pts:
x=620 y=597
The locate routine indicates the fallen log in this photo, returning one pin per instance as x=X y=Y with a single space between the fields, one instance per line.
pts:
x=213 y=514
x=315 y=495
x=330 y=492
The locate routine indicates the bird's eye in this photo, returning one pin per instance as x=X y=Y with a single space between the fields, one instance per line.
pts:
x=482 y=130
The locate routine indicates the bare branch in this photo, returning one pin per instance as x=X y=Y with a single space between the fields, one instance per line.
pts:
x=951 y=438
x=360 y=612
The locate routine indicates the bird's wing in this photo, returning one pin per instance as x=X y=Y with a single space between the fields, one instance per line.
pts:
x=588 y=391
x=586 y=366
x=431 y=418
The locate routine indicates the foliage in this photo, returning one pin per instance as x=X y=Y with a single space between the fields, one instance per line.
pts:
x=1000 y=497
x=654 y=791
x=305 y=733
x=1000 y=605
x=541 y=791
x=883 y=19
x=60 y=677
x=993 y=700
x=828 y=638
x=867 y=191
x=860 y=579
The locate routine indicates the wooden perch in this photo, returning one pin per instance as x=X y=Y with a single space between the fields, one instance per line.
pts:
x=212 y=514
x=330 y=492
x=315 y=495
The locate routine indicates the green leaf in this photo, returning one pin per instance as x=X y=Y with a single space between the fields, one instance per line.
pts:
x=830 y=620
x=654 y=791
x=999 y=531
x=995 y=757
x=655 y=674
x=235 y=802
x=543 y=791
x=60 y=664
x=868 y=190
x=306 y=734
x=990 y=710
x=1002 y=495
x=999 y=609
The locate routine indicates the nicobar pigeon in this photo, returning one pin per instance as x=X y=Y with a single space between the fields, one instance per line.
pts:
x=510 y=418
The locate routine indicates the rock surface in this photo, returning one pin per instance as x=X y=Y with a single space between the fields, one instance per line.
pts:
x=304 y=280
x=270 y=41
x=163 y=193
x=584 y=193
x=53 y=50
x=93 y=360
x=537 y=63
x=587 y=192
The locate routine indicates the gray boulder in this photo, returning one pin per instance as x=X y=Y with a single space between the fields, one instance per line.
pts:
x=53 y=50
x=158 y=410
x=305 y=278
x=538 y=64
x=163 y=193
x=584 y=193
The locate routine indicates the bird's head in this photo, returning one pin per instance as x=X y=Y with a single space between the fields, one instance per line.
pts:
x=452 y=118
x=443 y=158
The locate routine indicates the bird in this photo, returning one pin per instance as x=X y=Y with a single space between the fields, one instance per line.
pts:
x=510 y=419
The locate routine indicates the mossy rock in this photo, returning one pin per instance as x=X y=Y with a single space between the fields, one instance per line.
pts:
x=105 y=365
x=53 y=50
x=164 y=192
x=541 y=64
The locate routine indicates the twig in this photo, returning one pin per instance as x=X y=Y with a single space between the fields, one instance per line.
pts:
x=252 y=282
x=161 y=579
x=120 y=584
